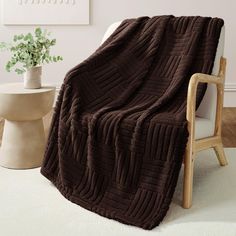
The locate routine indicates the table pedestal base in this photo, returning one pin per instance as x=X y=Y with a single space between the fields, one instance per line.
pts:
x=23 y=144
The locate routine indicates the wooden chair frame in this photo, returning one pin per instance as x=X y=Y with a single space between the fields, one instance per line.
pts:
x=196 y=145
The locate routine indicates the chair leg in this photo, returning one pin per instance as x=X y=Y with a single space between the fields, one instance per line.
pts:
x=188 y=178
x=219 y=151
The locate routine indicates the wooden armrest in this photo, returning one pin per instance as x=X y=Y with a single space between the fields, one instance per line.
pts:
x=204 y=78
x=191 y=98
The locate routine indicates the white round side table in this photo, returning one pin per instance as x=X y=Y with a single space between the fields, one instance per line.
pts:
x=23 y=141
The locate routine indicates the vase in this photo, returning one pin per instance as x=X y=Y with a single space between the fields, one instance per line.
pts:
x=32 y=78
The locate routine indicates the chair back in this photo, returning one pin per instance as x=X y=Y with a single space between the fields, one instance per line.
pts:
x=207 y=108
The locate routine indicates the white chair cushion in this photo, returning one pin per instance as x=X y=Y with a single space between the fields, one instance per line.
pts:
x=205 y=122
x=203 y=128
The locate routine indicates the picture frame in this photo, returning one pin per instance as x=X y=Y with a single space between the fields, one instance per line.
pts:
x=45 y=12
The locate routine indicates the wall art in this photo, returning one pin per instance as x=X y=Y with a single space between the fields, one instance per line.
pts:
x=45 y=12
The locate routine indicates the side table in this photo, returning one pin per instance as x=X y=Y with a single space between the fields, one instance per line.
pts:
x=23 y=141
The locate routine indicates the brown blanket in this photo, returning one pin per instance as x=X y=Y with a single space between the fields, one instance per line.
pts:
x=119 y=132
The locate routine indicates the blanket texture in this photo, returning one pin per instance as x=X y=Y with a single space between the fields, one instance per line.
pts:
x=119 y=130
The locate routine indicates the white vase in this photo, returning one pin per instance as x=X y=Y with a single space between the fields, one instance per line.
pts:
x=32 y=78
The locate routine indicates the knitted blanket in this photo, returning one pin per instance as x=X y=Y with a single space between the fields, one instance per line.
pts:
x=119 y=131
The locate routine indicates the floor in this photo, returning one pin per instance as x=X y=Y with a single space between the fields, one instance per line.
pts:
x=31 y=205
x=228 y=126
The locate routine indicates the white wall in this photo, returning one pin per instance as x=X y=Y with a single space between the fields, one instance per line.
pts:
x=75 y=43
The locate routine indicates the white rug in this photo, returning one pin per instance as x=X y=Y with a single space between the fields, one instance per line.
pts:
x=31 y=206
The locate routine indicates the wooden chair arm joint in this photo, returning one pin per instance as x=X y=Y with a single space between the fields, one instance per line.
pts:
x=193 y=84
x=204 y=78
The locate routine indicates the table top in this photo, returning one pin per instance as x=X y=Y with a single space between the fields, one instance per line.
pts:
x=18 y=88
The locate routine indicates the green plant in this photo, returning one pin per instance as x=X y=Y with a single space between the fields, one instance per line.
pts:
x=30 y=50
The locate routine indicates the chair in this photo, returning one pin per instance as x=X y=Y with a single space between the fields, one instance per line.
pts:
x=204 y=125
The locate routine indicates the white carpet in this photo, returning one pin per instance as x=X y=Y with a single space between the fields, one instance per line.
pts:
x=31 y=206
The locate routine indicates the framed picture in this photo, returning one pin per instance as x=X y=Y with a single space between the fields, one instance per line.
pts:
x=45 y=12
